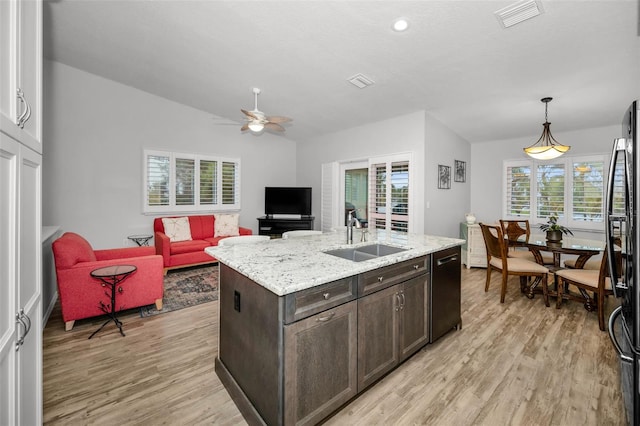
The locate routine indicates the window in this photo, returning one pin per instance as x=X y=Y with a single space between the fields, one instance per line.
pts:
x=175 y=182
x=571 y=188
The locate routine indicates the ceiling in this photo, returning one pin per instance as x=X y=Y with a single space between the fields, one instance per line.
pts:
x=455 y=61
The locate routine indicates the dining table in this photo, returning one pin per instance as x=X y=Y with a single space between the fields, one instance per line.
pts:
x=569 y=245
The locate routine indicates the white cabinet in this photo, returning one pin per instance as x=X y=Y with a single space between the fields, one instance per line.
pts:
x=21 y=71
x=20 y=212
x=20 y=289
x=474 y=252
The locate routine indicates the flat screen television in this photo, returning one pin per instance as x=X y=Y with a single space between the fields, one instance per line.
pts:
x=287 y=201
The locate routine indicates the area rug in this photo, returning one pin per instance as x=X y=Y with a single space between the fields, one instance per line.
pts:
x=186 y=287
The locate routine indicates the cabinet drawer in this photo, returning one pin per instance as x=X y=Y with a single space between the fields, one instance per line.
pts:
x=370 y=282
x=308 y=302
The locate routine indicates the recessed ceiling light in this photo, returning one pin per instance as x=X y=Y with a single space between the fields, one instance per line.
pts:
x=400 y=24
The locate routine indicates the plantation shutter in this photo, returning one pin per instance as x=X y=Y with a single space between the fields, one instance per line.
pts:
x=230 y=184
x=208 y=182
x=329 y=214
x=588 y=191
x=157 y=180
x=400 y=196
x=389 y=195
x=176 y=183
x=185 y=175
x=518 y=191
x=377 y=196
x=550 y=190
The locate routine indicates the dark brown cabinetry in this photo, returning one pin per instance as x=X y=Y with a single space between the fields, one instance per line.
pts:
x=392 y=325
x=295 y=359
x=268 y=225
x=320 y=364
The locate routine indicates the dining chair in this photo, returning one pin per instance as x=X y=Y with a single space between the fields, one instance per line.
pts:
x=588 y=280
x=299 y=233
x=243 y=239
x=593 y=263
x=513 y=230
x=497 y=259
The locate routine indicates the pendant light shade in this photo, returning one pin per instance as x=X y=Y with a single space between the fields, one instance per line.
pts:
x=546 y=148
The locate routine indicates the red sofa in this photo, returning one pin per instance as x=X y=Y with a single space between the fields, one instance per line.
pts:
x=180 y=254
x=80 y=294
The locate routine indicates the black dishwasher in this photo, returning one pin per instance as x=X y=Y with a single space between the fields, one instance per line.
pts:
x=444 y=293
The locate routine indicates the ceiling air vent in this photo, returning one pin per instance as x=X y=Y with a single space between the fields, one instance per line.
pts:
x=518 y=12
x=360 y=81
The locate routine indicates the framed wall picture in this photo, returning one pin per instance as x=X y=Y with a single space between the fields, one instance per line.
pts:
x=444 y=177
x=460 y=171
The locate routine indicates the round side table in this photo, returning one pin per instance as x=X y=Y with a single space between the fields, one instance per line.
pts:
x=111 y=276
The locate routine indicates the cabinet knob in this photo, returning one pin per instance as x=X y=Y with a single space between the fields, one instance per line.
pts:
x=380 y=279
x=326 y=296
x=416 y=267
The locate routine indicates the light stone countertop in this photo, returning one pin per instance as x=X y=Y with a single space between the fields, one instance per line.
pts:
x=287 y=266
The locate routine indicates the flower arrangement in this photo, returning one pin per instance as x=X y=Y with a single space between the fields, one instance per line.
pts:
x=552 y=225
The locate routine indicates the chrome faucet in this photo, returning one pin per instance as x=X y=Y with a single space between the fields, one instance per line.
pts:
x=351 y=220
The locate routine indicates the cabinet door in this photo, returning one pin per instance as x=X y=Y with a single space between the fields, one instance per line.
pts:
x=29 y=73
x=414 y=324
x=29 y=288
x=320 y=364
x=20 y=270
x=9 y=162
x=377 y=335
x=21 y=71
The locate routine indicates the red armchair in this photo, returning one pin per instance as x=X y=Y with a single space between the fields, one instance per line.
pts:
x=80 y=294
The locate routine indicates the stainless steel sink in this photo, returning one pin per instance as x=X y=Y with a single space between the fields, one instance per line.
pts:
x=380 y=249
x=360 y=254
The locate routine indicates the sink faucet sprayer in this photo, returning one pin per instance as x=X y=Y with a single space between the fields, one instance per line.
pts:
x=351 y=220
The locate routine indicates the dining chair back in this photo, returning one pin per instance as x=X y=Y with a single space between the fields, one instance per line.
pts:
x=597 y=281
x=513 y=231
x=498 y=260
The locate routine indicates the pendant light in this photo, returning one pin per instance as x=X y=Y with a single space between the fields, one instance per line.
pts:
x=546 y=147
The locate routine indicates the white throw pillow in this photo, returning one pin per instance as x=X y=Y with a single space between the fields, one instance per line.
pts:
x=177 y=228
x=226 y=225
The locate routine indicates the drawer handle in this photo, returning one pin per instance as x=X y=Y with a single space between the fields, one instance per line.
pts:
x=416 y=267
x=326 y=296
x=327 y=318
x=380 y=279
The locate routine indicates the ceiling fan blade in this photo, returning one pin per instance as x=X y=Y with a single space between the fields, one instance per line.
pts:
x=278 y=119
x=250 y=114
x=274 y=126
x=245 y=127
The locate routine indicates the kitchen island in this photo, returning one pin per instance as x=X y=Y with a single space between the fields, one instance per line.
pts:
x=303 y=331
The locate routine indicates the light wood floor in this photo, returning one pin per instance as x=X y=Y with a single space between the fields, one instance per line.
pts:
x=515 y=363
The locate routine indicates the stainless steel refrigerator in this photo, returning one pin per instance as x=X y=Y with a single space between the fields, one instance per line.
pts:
x=622 y=200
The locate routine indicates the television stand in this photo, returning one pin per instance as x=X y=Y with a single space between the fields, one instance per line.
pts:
x=274 y=227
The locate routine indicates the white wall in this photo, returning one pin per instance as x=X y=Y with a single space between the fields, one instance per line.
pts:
x=486 y=175
x=446 y=207
x=95 y=131
x=396 y=135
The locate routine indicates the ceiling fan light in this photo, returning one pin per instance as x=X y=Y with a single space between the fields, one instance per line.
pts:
x=256 y=127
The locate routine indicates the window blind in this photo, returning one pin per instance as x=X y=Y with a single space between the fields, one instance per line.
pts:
x=588 y=190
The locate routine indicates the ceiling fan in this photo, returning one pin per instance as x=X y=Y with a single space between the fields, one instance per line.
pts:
x=257 y=120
